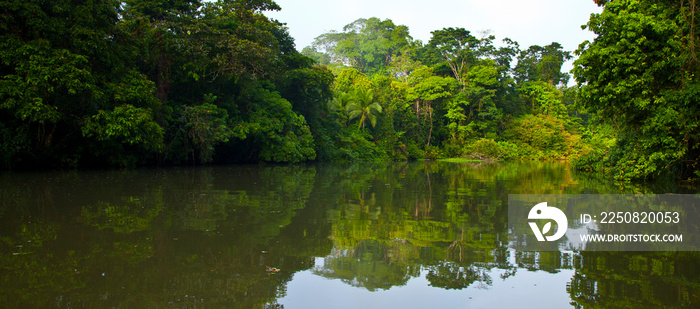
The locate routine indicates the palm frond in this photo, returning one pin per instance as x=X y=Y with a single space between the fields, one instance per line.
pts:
x=354 y=114
x=375 y=107
x=372 y=119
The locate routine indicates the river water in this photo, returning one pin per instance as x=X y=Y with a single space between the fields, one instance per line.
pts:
x=369 y=235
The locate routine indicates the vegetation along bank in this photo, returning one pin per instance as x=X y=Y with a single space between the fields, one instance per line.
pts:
x=140 y=82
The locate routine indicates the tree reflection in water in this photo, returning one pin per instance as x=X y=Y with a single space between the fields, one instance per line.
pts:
x=235 y=236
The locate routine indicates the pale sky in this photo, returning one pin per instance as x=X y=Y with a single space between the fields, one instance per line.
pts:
x=529 y=22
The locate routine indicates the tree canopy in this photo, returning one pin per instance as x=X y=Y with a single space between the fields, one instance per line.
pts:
x=640 y=76
x=144 y=82
x=149 y=82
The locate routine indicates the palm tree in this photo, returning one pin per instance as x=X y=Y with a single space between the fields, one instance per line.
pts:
x=340 y=101
x=363 y=106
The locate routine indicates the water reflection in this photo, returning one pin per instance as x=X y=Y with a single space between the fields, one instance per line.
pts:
x=251 y=236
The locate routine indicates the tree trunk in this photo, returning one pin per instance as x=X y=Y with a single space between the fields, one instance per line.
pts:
x=163 y=78
x=430 y=133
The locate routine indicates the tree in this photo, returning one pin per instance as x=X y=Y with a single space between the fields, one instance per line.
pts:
x=148 y=81
x=505 y=97
x=539 y=63
x=640 y=75
x=455 y=47
x=544 y=98
x=427 y=89
x=401 y=67
x=63 y=65
x=368 y=45
x=157 y=28
x=124 y=126
x=363 y=106
x=309 y=90
x=340 y=101
x=351 y=79
x=206 y=126
x=472 y=110
x=278 y=134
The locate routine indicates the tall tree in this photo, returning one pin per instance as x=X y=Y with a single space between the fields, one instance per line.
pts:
x=368 y=45
x=427 y=90
x=641 y=75
x=542 y=63
x=455 y=47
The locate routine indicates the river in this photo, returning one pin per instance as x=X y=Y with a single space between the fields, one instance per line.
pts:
x=367 y=235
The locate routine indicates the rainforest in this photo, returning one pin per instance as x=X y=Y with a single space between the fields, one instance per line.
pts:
x=158 y=83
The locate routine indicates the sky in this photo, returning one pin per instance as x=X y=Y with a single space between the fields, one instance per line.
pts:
x=528 y=22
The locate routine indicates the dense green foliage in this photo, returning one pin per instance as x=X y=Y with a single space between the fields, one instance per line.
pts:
x=142 y=82
x=447 y=97
x=149 y=82
x=640 y=78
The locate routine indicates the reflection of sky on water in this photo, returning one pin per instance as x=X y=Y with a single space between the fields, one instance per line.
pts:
x=525 y=289
x=153 y=239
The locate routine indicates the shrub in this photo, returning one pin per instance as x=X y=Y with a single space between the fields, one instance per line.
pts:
x=544 y=137
x=486 y=149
